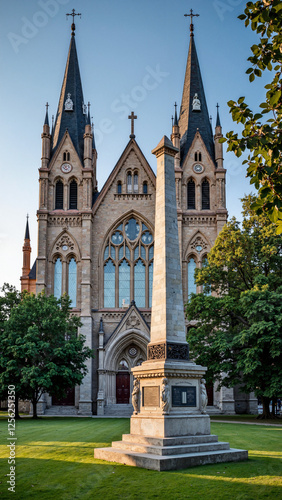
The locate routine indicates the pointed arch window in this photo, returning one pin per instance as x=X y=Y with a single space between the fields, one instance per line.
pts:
x=66 y=156
x=145 y=187
x=192 y=287
x=119 y=189
x=191 y=195
x=72 y=281
x=73 y=195
x=206 y=288
x=205 y=195
x=58 y=271
x=59 y=195
x=129 y=254
x=129 y=183
x=135 y=185
x=109 y=284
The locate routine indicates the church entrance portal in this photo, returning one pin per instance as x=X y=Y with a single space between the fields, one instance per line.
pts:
x=123 y=387
x=68 y=400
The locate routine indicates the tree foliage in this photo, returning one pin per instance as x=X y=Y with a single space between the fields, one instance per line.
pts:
x=237 y=331
x=262 y=132
x=41 y=350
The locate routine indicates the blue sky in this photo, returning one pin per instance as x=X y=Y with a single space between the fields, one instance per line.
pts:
x=118 y=44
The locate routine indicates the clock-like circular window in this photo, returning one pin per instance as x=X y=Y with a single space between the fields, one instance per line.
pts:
x=66 y=168
x=198 y=169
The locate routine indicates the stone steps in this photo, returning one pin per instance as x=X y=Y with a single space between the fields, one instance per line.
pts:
x=171 y=462
x=170 y=441
x=171 y=450
x=118 y=410
x=61 y=410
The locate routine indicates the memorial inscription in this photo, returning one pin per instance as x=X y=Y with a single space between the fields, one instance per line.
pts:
x=183 y=396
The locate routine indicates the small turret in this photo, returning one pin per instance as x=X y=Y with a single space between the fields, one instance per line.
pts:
x=218 y=145
x=46 y=141
x=175 y=137
x=88 y=138
x=26 y=258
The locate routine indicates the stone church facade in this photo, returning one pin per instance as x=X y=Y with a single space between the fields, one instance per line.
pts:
x=98 y=246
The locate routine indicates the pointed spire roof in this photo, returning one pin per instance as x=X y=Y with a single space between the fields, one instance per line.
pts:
x=175 y=116
x=46 y=121
x=218 y=124
x=71 y=116
x=191 y=120
x=27 y=237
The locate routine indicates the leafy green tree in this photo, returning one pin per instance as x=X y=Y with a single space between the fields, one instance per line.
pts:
x=42 y=347
x=262 y=128
x=237 y=331
x=9 y=298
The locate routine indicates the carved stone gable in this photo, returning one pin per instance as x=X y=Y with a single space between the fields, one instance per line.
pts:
x=133 y=321
x=65 y=241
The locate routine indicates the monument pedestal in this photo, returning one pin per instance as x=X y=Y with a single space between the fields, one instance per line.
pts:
x=168 y=429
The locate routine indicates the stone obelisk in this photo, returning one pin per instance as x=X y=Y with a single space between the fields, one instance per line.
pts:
x=169 y=428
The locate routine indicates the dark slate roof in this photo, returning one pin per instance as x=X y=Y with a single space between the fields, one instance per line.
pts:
x=27 y=237
x=32 y=273
x=218 y=124
x=189 y=120
x=73 y=121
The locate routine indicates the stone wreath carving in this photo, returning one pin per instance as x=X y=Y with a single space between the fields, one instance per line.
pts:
x=135 y=396
x=65 y=240
x=133 y=321
x=165 y=396
x=198 y=242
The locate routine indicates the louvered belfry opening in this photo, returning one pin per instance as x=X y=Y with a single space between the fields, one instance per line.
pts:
x=59 y=201
x=191 y=198
x=205 y=195
x=73 y=195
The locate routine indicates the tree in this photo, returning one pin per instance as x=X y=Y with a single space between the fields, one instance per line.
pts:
x=263 y=138
x=237 y=331
x=42 y=347
x=9 y=298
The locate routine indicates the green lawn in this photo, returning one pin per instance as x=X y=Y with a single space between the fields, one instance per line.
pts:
x=55 y=461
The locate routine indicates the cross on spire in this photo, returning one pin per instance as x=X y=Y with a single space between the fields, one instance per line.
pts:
x=191 y=25
x=132 y=117
x=73 y=14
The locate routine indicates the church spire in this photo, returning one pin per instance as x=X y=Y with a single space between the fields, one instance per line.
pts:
x=194 y=113
x=71 y=113
x=218 y=124
x=46 y=121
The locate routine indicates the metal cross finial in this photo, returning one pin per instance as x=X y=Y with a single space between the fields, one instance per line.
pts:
x=175 y=105
x=191 y=25
x=132 y=117
x=27 y=216
x=47 y=106
x=217 y=106
x=73 y=14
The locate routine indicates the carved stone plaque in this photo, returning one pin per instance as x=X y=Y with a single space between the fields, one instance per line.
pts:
x=183 y=396
x=151 y=396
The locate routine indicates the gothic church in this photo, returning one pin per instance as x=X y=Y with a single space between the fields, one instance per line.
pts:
x=98 y=246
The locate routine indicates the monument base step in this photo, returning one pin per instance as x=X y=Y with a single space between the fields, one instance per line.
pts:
x=171 y=453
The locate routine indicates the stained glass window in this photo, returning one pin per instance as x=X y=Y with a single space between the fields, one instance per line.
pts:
x=191 y=195
x=192 y=287
x=151 y=269
x=132 y=229
x=58 y=278
x=129 y=183
x=139 y=284
x=129 y=265
x=124 y=283
x=72 y=281
x=59 y=196
x=109 y=284
x=135 y=183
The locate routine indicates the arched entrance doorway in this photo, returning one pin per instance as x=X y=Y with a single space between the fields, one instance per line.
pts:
x=123 y=383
